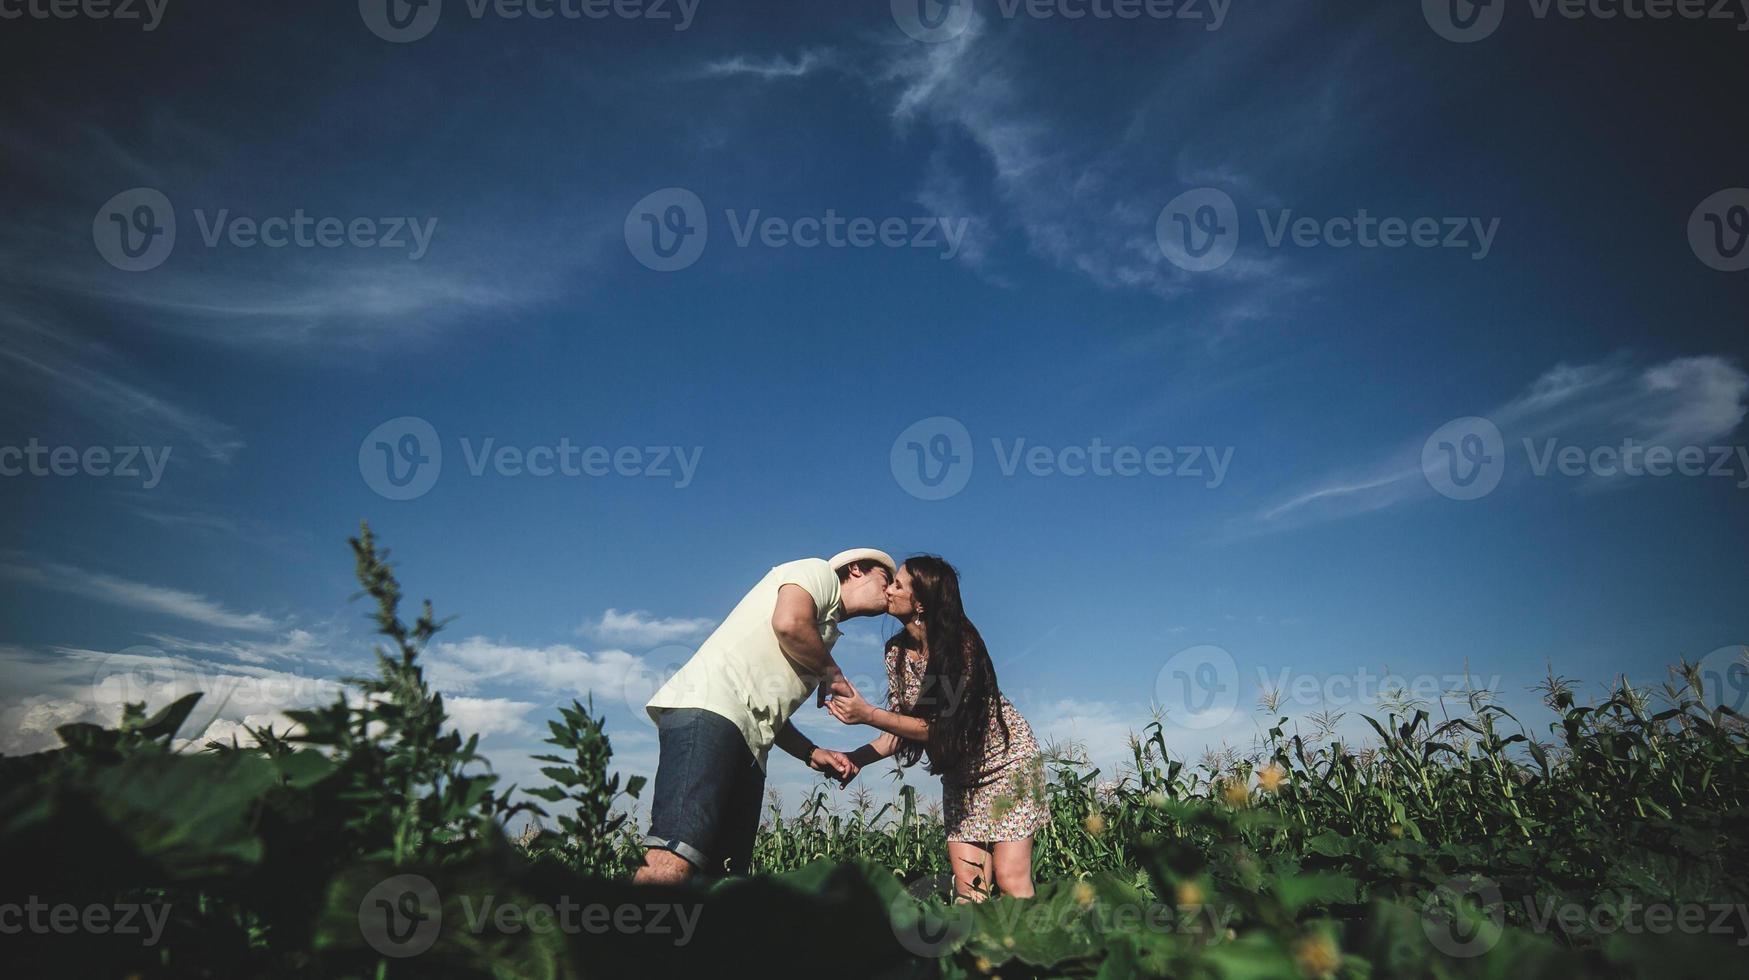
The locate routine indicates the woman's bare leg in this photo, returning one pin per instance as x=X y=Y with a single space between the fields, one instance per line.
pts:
x=971 y=870
x=1013 y=861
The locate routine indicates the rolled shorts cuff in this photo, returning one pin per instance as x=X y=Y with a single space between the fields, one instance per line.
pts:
x=693 y=855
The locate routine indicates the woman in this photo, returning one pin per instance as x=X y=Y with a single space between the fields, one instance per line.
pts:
x=942 y=699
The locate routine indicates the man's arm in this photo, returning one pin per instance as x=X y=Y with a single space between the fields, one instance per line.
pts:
x=796 y=621
x=835 y=764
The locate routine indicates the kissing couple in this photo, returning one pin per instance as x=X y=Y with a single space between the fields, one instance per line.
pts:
x=719 y=715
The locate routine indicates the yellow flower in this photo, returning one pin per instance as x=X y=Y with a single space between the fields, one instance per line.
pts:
x=1095 y=824
x=1083 y=893
x=1316 y=955
x=1007 y=942
x=1271 y=777
x=1189 y=893
x=983 y=965
x=1395 y=830
x=1235 y=793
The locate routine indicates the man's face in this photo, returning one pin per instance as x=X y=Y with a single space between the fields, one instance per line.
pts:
x=865 y=592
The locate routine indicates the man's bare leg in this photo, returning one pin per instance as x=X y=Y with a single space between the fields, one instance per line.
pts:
x=663 y=867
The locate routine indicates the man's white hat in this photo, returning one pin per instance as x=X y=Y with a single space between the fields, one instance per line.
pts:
x=844 y=558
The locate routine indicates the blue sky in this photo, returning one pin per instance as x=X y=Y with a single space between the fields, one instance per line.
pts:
x=787 y=373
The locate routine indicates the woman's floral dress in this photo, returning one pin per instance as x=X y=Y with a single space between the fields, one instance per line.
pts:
x=1011 y=805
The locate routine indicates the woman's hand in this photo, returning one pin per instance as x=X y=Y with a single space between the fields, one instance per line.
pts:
x=834 y=764
x=848 y=706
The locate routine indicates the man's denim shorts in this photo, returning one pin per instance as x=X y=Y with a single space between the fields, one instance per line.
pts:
x=709 y=791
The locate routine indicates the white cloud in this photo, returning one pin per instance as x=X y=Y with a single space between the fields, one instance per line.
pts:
x=1689 y=401
x=489 y=716
x=612 y=676
x=769 y=68
x=1073 y=208
x=640 y=629
x=296 y=643
x=135 y=595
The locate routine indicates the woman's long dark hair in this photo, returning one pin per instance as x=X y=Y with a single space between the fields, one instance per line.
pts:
x=959 y=693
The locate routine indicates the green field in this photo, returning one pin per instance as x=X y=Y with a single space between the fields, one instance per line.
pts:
x=1598 y=839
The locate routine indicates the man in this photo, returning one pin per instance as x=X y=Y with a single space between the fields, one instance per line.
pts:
x=719 y=715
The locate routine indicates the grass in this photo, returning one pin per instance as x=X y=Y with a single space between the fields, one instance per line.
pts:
x=1580 y=844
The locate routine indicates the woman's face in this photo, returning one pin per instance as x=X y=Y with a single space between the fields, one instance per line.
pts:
x=900 y=603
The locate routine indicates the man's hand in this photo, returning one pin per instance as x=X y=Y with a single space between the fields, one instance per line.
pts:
x=832 y=682
x=849 y=707
x=834 y=764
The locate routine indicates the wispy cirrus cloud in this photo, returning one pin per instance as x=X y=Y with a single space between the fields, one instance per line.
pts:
x=1686 y=401
x=88 y=381
x=190 y=606
x=775 y=67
